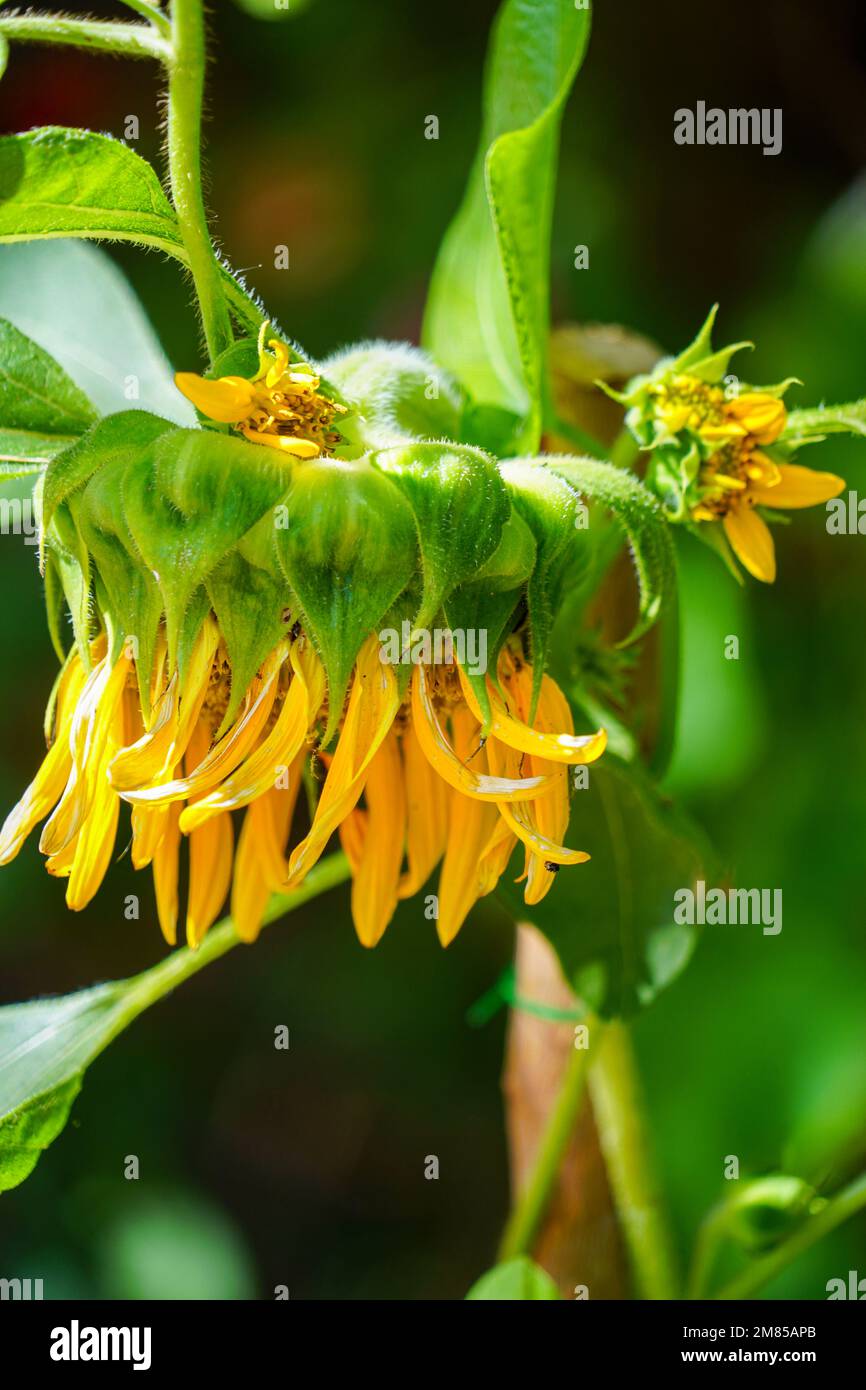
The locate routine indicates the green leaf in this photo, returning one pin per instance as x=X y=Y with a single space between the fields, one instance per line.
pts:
x=641 y=518
x=72 y=300
x=348 y=549
x=516 y=1280
x=487 y=317
x=611 y=921
x=27 y=1131
x=45 y=1046
x=57 y=181
x=41 y=409
x=460 y=506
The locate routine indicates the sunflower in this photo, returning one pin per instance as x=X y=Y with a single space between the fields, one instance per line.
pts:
x=212 y=679
x=718 y=452
x=739 y=476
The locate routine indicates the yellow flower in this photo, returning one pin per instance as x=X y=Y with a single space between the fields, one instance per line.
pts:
x=739 y=477
x=686 y=402
x=281 y=406
x=411 y=782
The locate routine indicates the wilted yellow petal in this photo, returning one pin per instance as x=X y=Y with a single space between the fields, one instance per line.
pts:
x=231 y=750
x=277 y=751
x=373 y=703
x=427 y=800
x=471 y=824
x=554 y=747
x=166 y=865
x=436 y=748
x=47 y=786
x=374 y=886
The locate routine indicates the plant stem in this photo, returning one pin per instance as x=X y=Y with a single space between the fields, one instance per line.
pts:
x=158 y=18
x=529 y=1209
x=100 y=36
x=710 y=1235
x=838 y=1209
x=185 y=92
x=160 y=979
x=622 y=1131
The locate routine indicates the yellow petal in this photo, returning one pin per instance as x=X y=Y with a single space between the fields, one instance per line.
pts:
x=210 y=857
x=153 y=757
x=750 y=538
x=277 y=751
x=550 y=814
x=285 y=443
x=495 y=856
x=260 y=865
x=471 y=824
x=229 y=400
x=95 y=840
x=149 y=825
x=798 y=487
x=443 y=758
x=232 y=748
x=94 y=721
x=554 y=747
x=759 y=414
x=426 y=816
x=210 y=874
x=47 y=786
x=250 y=892
x=374 y=886
x=373 y=702
x=353 y=830
x=147 y=758
x=166 y=864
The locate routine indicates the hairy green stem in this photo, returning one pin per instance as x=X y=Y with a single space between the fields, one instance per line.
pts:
x=838 y=1209
x=185 y=93
x=148 y=10
x=99 y=36
x=529 y=1209
x=622 y=1130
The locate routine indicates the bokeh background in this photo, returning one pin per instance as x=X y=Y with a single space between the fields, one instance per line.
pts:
x=306 y=1167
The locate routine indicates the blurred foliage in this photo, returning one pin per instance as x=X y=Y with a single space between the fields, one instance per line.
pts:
x=317 y=1155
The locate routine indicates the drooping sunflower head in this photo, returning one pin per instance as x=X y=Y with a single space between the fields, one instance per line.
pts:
x=717 y=452
x=370 y=625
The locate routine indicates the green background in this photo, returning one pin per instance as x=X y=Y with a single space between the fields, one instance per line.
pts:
x=306 y=1168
